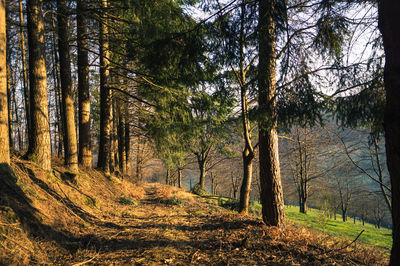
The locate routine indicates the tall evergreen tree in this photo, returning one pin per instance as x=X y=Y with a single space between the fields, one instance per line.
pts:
x=105 y=94
x=4 y=138
x=388 y=20
x=85 y=152
x=39 y=137
x=273 y=211
x=70 y=144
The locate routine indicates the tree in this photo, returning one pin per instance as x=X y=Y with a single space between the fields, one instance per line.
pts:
x=85 y=152
x=105 y=95
x=23 y=65
x=39 y=137
x=388 y=18
x=210 y=136
x=273 y=211
x=4 y=138
x=70 y=144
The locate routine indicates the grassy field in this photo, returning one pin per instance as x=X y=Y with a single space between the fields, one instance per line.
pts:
x=314 y=219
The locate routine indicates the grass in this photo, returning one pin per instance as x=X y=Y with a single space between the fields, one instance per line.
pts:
x=316 y=220
x=312 y=220
x=126 y=201
x=173 y=201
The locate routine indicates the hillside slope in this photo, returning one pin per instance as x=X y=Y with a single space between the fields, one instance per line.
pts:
x=59 y=218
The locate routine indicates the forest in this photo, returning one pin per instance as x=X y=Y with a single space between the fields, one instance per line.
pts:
x=256 y=106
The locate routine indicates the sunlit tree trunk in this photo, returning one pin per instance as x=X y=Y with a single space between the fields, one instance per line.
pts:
x=85 y=152
x=179 y=177
x=114 y=162
x=4 y=139
x=9 y=84
x=70 y=143
x=273 y=211
x=389 y=20
x=127 y=140
x=105 y=96
x=121 y=139
x=39 y=137
x=248 y=152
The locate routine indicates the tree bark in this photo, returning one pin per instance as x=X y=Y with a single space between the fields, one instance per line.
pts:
x=105 y=96
x=39 y=137
x=4 y=138
x=389 y=20
x=113 y=140
x=273 y=211
x=24 y=71
x=85 y=153
x=246 y=184
x=9 y=93
x=127 y=140
x=303 y=204
x=121 y=140
x=179 y=177
x=57 y=91
x=202 y=168
x=70 y=143
x=248 y=152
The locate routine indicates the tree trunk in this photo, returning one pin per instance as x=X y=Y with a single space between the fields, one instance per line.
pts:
x=70 y=143
x=344 y=215
x=303 y=204
x=9 y=94
x=202 y=168
x=179 y=177
x=388 y=21
x=167 y=177
x=24 y=71
x=246 y=183
x=127 y=140
x=57 y=90
x=121 y=140
x=85 y=153
x=4 y=138
x=105 y=97
x=139 y=161
x=39 y=137
x=273 y=211
x=113 y=141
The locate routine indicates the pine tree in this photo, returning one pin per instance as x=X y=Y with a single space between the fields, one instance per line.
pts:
x=85 y=152
x=4 y=138
x=273 y=211
x=39 y=137
x=388 y=21
x=105 y=95
x=70 y=144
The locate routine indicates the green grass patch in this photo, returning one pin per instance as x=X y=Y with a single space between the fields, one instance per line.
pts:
x=173 y=201
x=315 y=219
x=89 y=201
x=126 y=201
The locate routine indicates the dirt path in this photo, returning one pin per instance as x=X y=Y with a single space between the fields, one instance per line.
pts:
x=158 y=232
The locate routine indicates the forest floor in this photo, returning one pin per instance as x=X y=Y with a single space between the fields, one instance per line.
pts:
x=59 y=218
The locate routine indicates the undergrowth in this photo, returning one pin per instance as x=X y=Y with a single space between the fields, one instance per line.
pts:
x=126 y=201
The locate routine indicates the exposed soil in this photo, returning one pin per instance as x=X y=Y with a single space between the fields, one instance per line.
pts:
x=90 y=219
